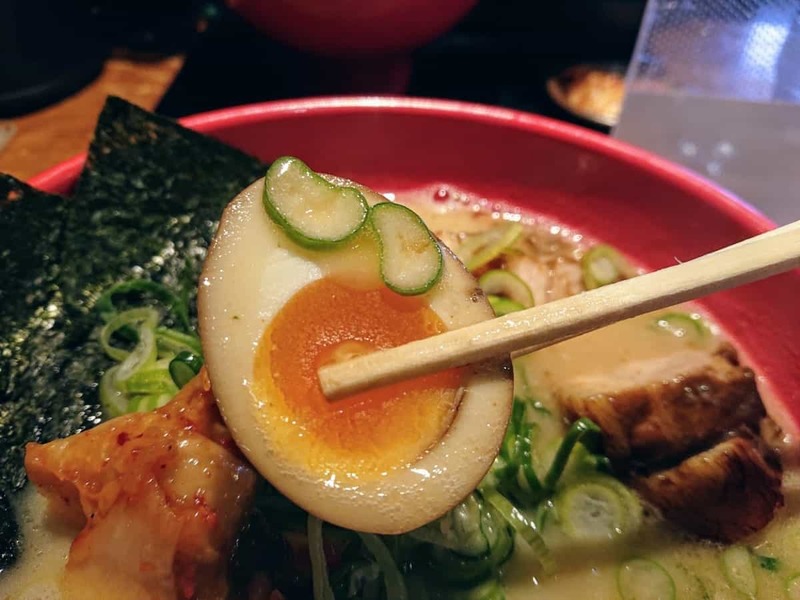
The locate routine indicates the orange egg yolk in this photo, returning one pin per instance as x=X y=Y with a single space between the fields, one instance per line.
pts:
x=366 y=434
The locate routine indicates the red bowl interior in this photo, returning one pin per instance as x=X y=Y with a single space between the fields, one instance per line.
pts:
x=652 y=210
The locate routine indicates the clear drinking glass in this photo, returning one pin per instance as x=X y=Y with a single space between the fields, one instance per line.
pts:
x=715 y=85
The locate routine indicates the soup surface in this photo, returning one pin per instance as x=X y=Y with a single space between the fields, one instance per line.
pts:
x=620 y=354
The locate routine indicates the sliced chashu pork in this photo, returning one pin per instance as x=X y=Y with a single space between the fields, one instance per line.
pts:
x=663 y=407
x=660 y=399
x=725 y=493
x=657 y=396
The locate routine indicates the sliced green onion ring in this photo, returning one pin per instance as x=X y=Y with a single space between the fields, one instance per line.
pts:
x=602 y=265
x=583 y=430
x=689 y=326
x=505 y=284
x=151 y=381
x=145 y=377
x=532 y=483
x=458 y=530
x=643 y=579
x=184 y=367
x=479 y=249
x=524 y=527
x=148 y=402
x=592 y=512
x=170 y=340
x=737 y=565
x=113 y=400
x=313 y=212
x=319 y=567
x=143 y=355
x=503 y=306
x=411 y=259
x=178 y=307
x=132 y=317
x=395 y=584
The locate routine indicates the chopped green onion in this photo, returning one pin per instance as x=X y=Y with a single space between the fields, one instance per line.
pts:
x=532 y=483
x=173 y=341
x=768 y=563
x=691 y=327
x=312 y=211
x=132 y=317
x=524 y=527
x=517 y=415
x=602 y=265
x=184 y=367
x=502 y=306
x=509 y=447
x=488 y=590
x=146 y=403
x=642 y=579
x=151 y=381
x=143 y=354
x=113 y=400
x=479 y=249
x=543 y=514
x=319 y=567
x=583 y=430
x=737 y=565
x=392 y=578
x=499 y=282
x=462 y=570
x=593 y=511
x=113 y=396
x=793 y=587
x=145 y=378
x=633 y=506
x=458 y=530
x=178 y=307
x=411 y=260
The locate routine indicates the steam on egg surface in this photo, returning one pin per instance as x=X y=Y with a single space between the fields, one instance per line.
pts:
x=272 y=312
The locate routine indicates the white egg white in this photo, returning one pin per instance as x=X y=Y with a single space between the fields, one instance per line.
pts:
x=252 y=270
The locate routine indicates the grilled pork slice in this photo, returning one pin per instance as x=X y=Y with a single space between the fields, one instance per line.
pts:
x=160 y=497
x=665 y=406
x=724 y=494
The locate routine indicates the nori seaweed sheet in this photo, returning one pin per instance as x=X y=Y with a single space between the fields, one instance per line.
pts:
x=30 y=247
x=148 y=202
x=146 y=205
x=10 y=542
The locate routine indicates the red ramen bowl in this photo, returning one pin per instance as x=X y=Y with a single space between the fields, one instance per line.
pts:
x=654 y=211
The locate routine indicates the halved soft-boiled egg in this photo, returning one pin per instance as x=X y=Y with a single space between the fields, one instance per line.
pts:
x=305 y=270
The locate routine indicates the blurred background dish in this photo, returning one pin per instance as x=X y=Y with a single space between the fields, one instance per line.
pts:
x=591 y=92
